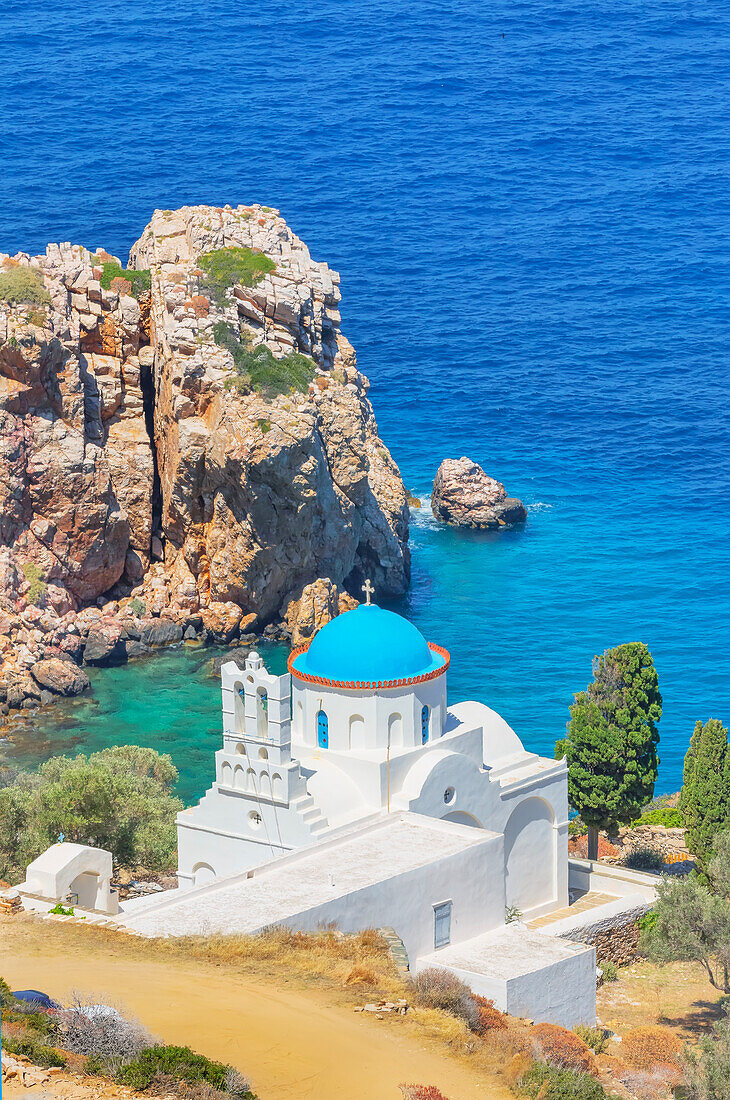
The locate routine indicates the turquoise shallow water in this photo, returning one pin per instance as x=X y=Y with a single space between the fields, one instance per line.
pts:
x=528 y=203
x=170 y=702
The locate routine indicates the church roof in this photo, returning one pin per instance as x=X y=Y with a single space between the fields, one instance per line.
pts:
x=366 y=648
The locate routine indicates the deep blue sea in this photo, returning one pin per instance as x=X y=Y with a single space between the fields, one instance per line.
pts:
x=529 y=205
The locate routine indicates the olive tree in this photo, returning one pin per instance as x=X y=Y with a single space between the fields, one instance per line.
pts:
x=120 y=799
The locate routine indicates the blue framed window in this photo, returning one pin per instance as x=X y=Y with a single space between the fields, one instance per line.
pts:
x=323 y=736
x=425 y=715
x=442 y=924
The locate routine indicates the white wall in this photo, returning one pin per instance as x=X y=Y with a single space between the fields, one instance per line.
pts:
x=394 y=710
x=470 y=879
x=562 y=992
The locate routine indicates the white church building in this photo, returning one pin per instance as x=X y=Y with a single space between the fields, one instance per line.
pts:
x=360 y=726
x=349 y=791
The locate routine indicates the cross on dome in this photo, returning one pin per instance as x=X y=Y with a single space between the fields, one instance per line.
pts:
x=368 y=590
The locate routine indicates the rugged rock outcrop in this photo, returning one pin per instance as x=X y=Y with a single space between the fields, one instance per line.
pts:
x=313 y=607
x=464 y=496
x=141 y=477
x=60 y=677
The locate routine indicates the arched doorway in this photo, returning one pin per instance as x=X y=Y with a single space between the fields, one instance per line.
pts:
x=530 y=855
x=203 y=873
x=85 y=889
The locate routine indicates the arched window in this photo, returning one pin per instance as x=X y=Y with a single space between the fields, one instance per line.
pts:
x=424 y=725
x=357 y=731
x=262 y=713
x=395 y=730
x=323 y=736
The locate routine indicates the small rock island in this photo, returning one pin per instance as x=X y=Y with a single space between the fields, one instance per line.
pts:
x=465 y=496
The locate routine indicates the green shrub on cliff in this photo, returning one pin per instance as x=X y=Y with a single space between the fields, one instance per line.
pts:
x=23 y=286
x=140 y=281
x=120 y=799
x=35 y=579
x=225 y=267
x=258 y=368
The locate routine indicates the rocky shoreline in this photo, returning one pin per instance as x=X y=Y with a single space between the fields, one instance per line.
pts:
x=154 y=490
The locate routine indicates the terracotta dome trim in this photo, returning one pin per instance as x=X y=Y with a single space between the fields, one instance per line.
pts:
x=368 y=685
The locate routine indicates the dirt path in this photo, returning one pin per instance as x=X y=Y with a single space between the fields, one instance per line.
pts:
x=288 y=1042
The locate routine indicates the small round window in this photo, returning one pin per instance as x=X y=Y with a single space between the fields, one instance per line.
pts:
x=449 y=795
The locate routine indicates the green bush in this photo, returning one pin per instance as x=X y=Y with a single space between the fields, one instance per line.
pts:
x=6 y=996
x=137 y=607
x=36 y=581
x=119 y=799
x=141 y=281
x=648 y=921
x=552 y=1083
x=59 y=911
x=609 y=971
x=258 y=368
x=225 y=267
x=594 y=1037
x=182 y=1064
x=645 y=859
x=707 y=1064
x=669 y=816
x=39 y=1053
x=23 y=286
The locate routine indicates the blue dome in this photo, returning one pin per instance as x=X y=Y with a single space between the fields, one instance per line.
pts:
x=368 y=645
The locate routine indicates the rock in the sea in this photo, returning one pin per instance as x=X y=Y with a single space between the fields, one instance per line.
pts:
x=314 y=606
x=160 y=632
x=464 y=496
x=101 y=642
x=60 y=677
x=237 y=653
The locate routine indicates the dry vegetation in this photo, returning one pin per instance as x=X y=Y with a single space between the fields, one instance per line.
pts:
x=653 y=1010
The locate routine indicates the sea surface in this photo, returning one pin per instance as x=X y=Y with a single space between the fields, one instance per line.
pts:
x=528 y=203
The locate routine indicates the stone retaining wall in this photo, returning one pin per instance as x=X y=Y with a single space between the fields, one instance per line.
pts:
x=615 y=938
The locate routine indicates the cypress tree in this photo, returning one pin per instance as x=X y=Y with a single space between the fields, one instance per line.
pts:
x=612 y=739
x=705 y=797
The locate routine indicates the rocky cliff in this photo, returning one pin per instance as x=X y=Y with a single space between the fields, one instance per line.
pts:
x=189 y=440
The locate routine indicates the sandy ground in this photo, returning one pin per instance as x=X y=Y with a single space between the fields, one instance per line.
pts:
x=289 y=1042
